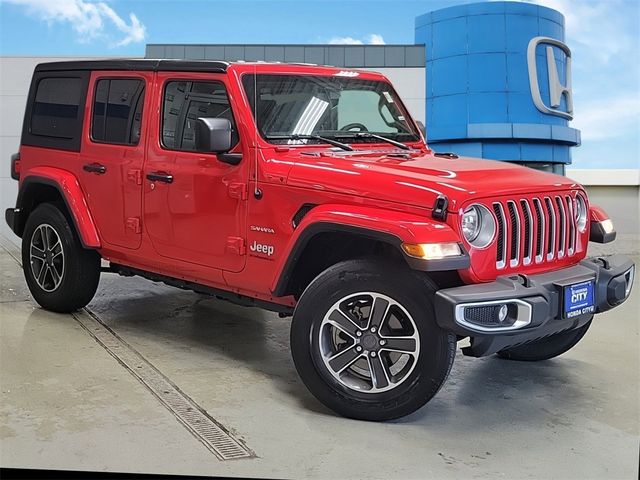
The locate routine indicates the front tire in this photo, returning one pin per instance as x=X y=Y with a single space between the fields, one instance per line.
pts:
x=365 y=343
x=546 y=348
x=62 y=275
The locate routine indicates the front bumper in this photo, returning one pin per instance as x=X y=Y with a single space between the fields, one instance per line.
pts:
x=536 y=301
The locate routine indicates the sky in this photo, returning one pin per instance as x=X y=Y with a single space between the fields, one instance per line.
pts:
x=604 y=36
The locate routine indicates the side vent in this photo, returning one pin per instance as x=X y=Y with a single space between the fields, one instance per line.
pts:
x=300 y=214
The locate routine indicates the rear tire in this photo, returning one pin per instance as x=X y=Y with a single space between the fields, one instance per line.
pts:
x=546 y=348
x=62 y=275
x=354 y=370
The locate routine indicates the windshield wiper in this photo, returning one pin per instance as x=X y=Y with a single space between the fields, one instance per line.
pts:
x=372 y=135
x=295 y=136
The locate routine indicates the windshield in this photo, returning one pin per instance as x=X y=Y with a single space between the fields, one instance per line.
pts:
x=331 y=107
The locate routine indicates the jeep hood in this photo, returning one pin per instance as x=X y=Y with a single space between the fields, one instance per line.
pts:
x=415 y=178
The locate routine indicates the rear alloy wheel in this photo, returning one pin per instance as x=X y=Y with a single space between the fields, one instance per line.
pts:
x=46 y=257
x=62 y=275
x=365 y=343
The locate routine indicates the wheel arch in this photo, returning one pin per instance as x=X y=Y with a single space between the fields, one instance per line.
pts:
x=300 y=264
x=372 y=231
x=50 y=185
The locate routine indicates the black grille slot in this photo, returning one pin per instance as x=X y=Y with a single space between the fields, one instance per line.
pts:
x=572 y=225
x=540 y=219
x=515 y=230
x=552 y=226
x=497 y=209
x=561 y=226
x=527 y=228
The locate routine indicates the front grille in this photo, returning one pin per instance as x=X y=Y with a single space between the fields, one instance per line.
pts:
x=535 y=230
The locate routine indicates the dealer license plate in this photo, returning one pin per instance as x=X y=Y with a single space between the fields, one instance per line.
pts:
x=578 y=299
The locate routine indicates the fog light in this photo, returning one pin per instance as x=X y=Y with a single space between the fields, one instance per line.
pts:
x=502 y=314
x=488 y=315
x=494 y=316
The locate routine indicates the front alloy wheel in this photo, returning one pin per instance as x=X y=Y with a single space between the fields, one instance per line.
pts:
x=365 y=343
x=369 y=342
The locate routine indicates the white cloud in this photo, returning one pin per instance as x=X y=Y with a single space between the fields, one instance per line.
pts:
x=370 y=39
x=89 y=20
x=375 y=39
x=613 y=118
x=604 y=42
x=345 y=41
x=596 y=25
x=133 y=33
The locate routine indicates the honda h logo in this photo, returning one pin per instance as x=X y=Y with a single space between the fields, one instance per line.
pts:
x=556 y=88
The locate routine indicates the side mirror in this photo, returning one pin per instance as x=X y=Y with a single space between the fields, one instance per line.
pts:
x=213 y=135
x=422 y=128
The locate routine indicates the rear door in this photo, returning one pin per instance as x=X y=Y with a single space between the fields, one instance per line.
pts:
x=113 y=153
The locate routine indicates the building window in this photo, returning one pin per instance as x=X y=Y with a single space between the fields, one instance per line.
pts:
x=117 y=111
x=56 y=107
x=185 y=102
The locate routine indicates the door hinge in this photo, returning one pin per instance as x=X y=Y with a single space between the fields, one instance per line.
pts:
x=133 y=223
x=135 y=176
x=237 y=190
x=236 y=245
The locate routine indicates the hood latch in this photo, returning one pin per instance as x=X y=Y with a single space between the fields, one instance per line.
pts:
x=440 y=206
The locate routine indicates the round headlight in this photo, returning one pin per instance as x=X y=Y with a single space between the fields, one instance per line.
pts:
x=581 y=213
x=478 y=225
x=471 y=223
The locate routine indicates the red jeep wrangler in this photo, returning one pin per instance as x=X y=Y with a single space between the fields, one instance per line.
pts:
x=308 y=191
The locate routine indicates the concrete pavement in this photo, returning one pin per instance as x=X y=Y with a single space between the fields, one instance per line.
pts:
x=66 y=403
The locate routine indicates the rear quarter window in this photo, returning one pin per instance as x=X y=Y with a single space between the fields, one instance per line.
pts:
x=55 y=110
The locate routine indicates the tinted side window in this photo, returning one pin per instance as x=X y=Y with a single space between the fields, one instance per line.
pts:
x=184 y=102
x=117 y=111
x=56 y=107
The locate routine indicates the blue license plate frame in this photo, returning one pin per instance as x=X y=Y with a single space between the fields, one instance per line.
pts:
x=579 y=299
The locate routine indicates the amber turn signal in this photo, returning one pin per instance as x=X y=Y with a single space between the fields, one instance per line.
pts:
x=432 y=251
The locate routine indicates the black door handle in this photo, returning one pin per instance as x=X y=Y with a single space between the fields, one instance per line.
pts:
x=94 y=168
x=160 y=177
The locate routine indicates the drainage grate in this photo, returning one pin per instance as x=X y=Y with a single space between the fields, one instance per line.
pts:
x=213 y=435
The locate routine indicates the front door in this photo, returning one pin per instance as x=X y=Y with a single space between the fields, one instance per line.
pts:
x=194 y=205
x=112 y=153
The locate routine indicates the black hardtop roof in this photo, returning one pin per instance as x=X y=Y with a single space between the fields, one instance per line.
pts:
x=136 y=64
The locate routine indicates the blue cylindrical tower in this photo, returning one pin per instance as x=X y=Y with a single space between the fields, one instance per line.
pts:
x=498 y=79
